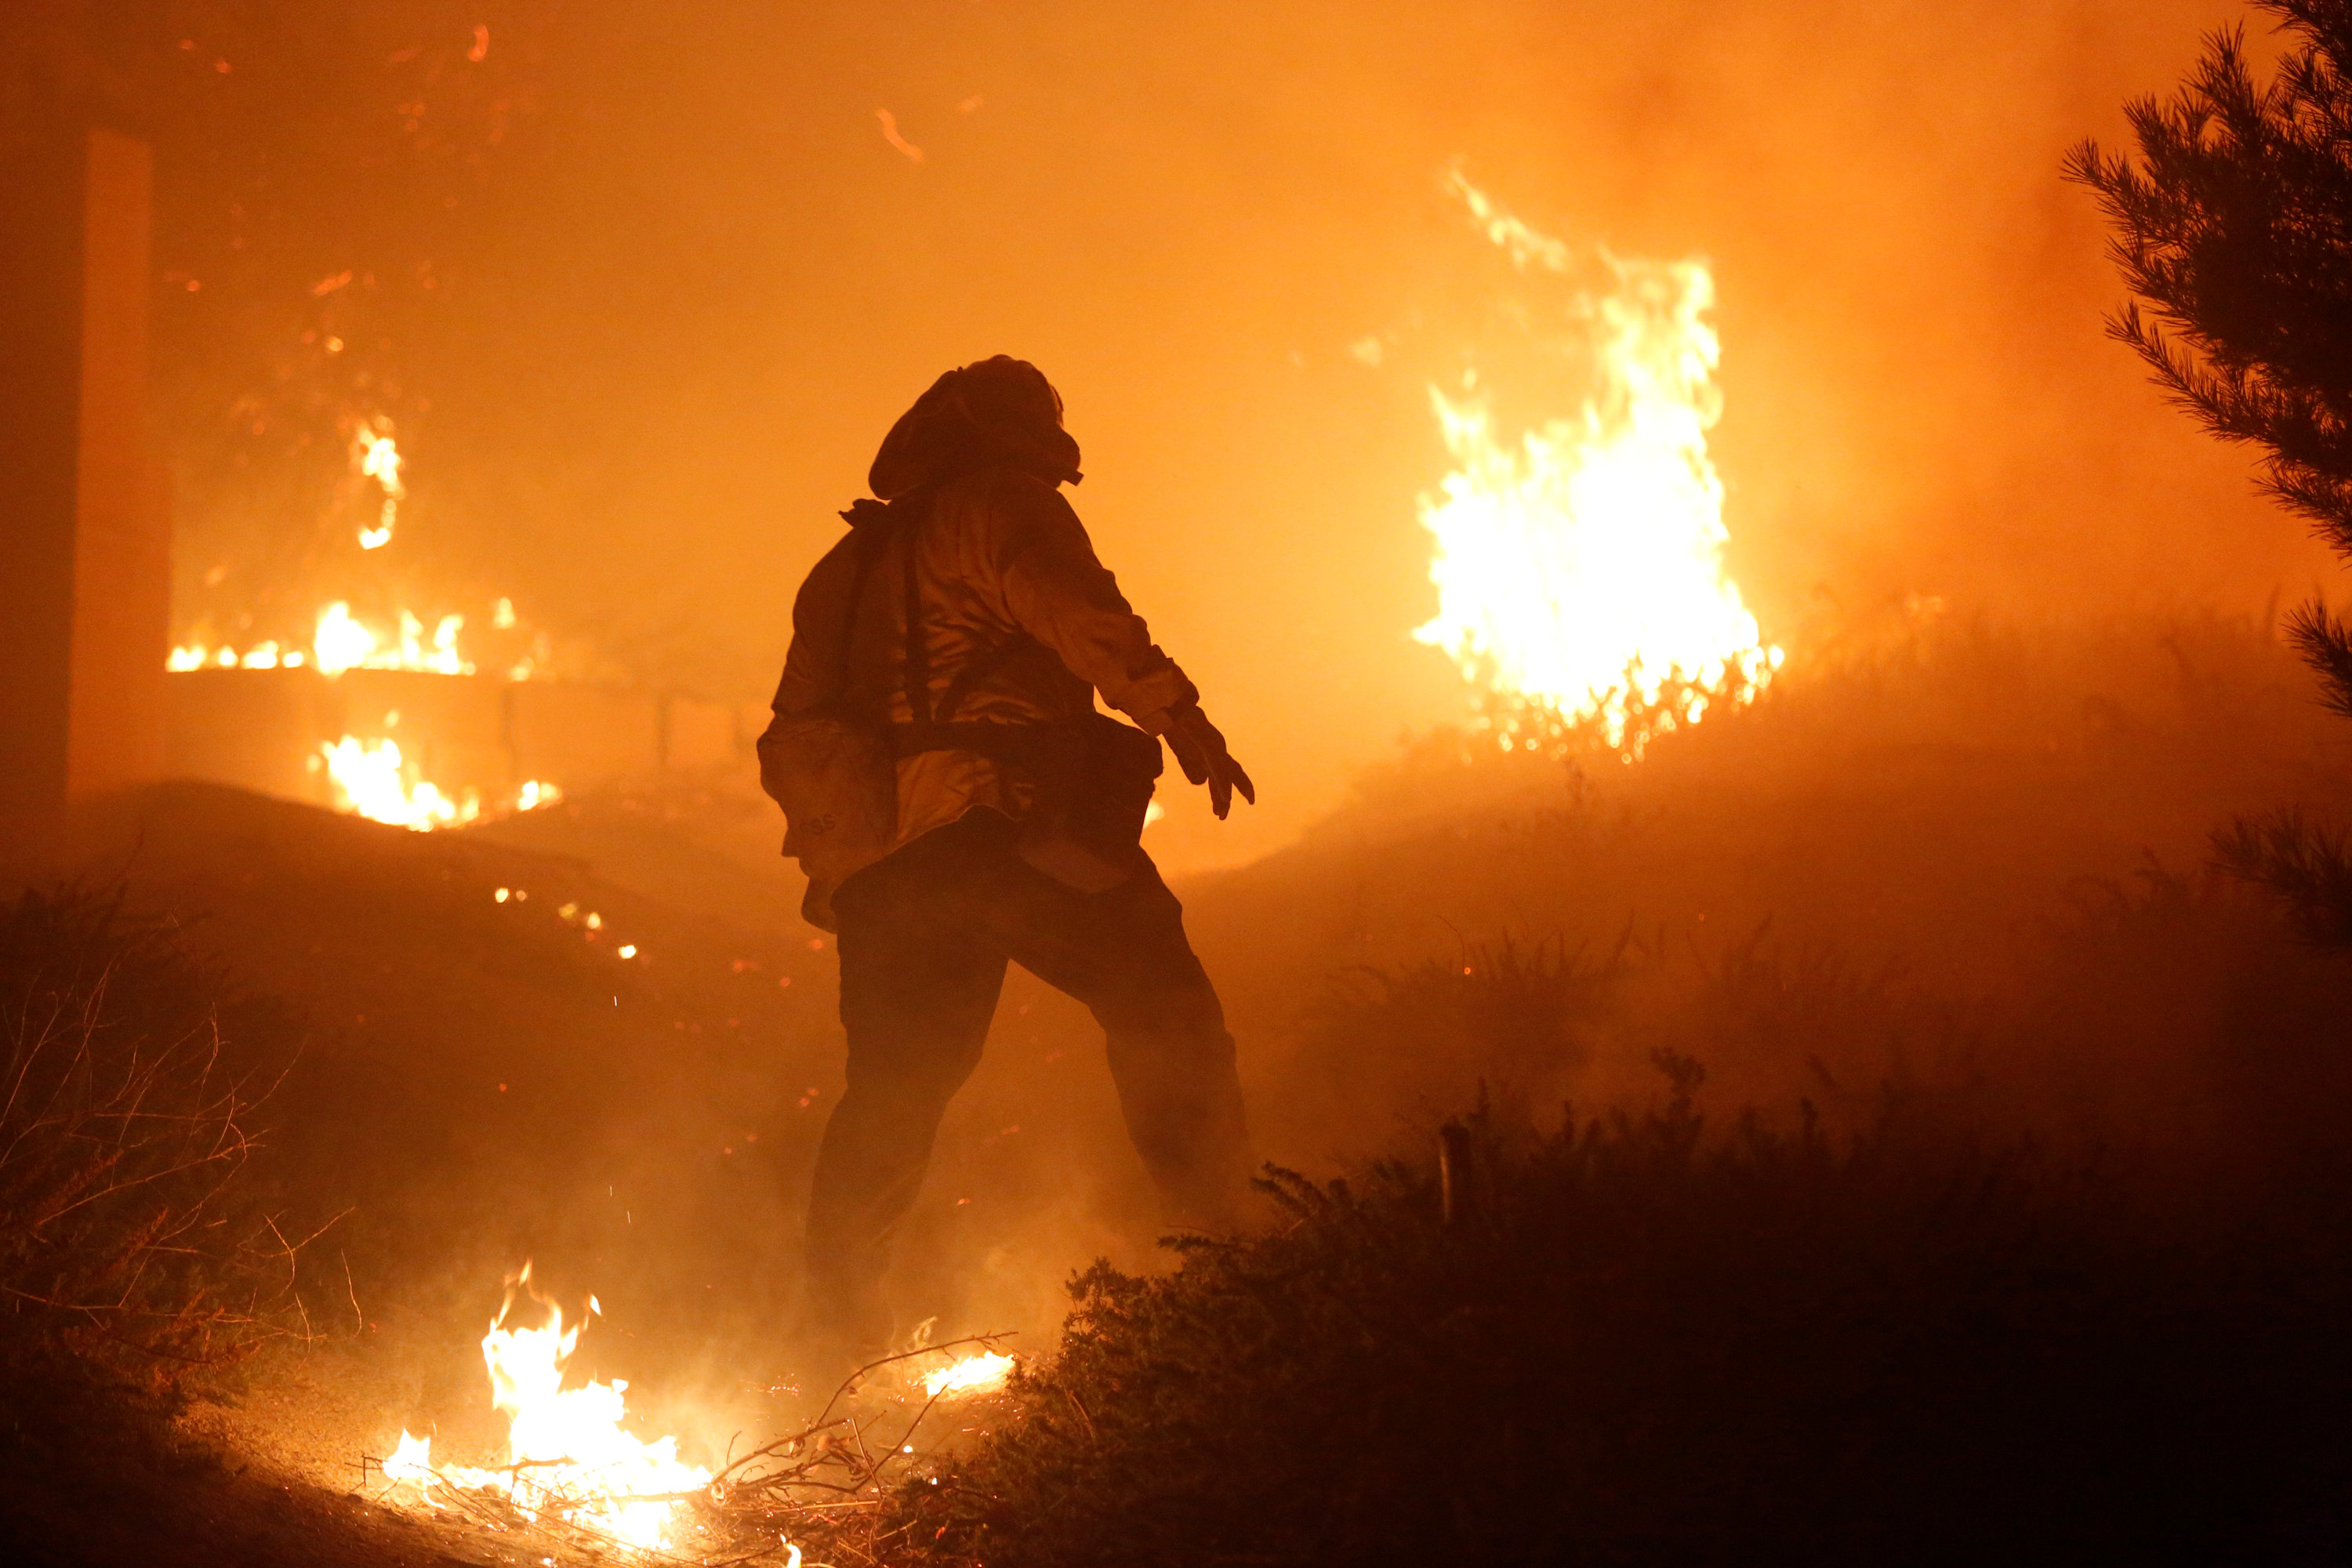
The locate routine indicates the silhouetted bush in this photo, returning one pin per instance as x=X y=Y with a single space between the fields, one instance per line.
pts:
x=127 y=1242
x=1656 y=1344
x=1511 y=1013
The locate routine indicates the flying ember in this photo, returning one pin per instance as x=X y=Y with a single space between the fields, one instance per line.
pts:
x=1583 y=566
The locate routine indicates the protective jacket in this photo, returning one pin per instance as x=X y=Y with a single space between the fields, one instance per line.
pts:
x=1021 y=623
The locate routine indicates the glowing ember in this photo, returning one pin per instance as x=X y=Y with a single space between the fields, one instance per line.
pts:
x=972 y=1375
x=566 y=1452
x=375 y=456
x=1583 y=567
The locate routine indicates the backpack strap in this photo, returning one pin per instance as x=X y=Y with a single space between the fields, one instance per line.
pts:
x=917 y=669
x=869 y=551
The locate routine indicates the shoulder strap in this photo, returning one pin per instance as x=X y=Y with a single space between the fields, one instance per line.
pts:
x=918 y=671
x=869 y=542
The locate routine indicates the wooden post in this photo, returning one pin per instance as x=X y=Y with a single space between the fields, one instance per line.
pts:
x=85 y=536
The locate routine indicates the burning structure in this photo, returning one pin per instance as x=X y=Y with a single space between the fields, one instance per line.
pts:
x=411 y=725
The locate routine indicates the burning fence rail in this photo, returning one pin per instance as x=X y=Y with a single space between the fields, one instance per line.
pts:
x=423 y=721
x=399 y=723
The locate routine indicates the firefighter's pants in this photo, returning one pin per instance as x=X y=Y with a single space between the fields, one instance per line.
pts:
x=925 y=937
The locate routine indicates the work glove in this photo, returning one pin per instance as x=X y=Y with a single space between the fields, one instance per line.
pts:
x=1200 y=752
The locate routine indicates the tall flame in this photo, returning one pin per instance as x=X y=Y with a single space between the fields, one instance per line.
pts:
x=1584 y=566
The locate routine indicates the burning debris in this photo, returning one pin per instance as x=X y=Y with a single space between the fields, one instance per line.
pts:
x=1583 y=569
x=568 y=1459
x=576 y=1476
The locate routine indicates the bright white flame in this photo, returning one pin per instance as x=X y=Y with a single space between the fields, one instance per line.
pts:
x=567 y=1454
x=972 y=1375
x=370 y=780
x=1584 y=566
x=412 y=1461
x=344 y=642
x=341 y=643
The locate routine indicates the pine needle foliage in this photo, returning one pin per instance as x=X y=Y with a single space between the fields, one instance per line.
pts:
x=1655 y=1342
x=2233 y=229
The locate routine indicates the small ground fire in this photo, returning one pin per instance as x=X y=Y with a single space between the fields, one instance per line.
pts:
x=570 y=1461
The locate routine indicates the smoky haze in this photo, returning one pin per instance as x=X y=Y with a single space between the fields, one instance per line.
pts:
x=703 y=280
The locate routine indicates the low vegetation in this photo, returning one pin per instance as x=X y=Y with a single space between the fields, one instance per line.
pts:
x=1656 y=1341
x=131 y=1252
x=2046 y=1274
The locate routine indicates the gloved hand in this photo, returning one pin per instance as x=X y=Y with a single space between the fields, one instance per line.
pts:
x=1200 y=752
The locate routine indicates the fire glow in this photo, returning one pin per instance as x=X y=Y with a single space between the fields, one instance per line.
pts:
x=1582 y=567
x=373 y=780
x=569 y=1460
x=341 y=641
x=567 y=1456
x=376 y=779
x=974 y=1374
